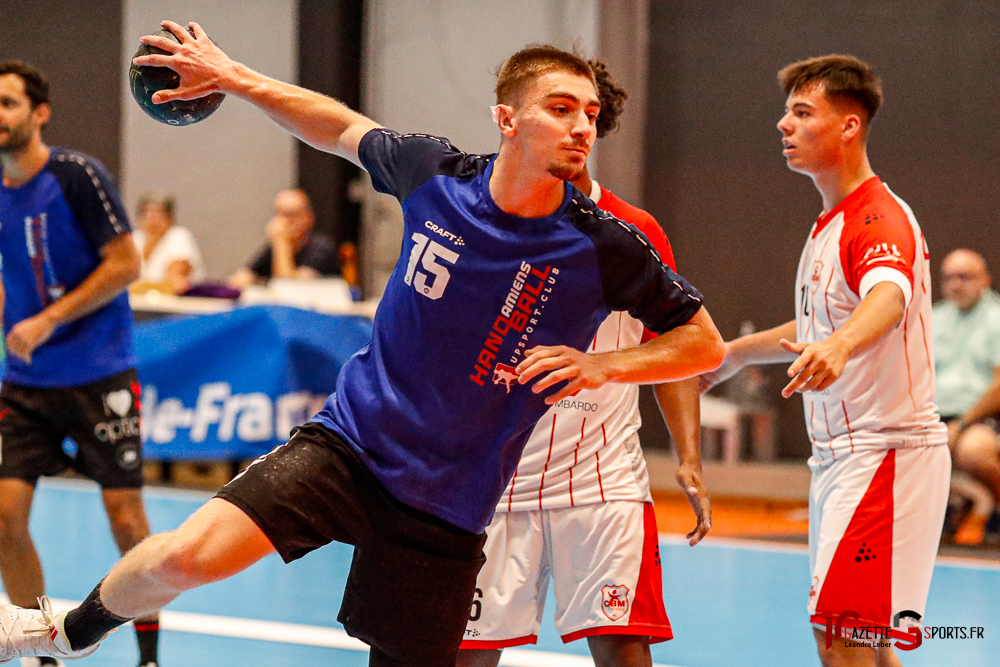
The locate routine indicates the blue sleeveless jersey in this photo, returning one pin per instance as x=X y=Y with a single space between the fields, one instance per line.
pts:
x=431 y=405
x=52 y=229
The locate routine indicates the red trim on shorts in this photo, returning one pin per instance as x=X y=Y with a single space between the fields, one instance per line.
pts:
x=848 y=623
x=866 y=586
x=647 y=611
x=656 y=634
x=552 y=437
x=502 y=643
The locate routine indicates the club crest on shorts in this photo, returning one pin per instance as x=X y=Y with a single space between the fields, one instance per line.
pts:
x=614 y=601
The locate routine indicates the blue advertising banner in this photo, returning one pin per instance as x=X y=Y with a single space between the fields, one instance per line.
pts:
x=232 y=385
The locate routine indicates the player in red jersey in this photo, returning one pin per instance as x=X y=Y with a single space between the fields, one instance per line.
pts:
x=579 y=507
x=863 y=360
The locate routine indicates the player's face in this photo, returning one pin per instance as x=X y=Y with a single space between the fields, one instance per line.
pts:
x=18 y=121
x=556 y=122
x=811 y=131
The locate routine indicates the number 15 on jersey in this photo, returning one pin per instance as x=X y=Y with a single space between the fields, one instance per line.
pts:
x=430 y=255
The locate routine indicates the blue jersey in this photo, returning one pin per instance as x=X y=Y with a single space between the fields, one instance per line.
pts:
x=431 y=405
x=52 y=229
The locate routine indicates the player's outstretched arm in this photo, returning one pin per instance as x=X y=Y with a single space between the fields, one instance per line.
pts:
x=763 y=347
x=681 y=408
x=690 y=349
x=820 y=364
x=316 y=119
x=120 y=266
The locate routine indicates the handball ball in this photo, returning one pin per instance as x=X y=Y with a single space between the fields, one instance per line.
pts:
x=144 y=81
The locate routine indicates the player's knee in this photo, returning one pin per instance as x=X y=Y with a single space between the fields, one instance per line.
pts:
x=977 y=444
x=130 y=526
x=13 y=524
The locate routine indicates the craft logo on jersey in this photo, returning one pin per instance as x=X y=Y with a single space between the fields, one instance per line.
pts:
x=614 y=601
x=521 y=311
x=507 y=375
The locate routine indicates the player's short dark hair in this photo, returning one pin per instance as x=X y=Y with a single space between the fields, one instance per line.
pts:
x=842 y=76
x=165 y=201
x=532 y=62
x=612 y=98
x=36 y=85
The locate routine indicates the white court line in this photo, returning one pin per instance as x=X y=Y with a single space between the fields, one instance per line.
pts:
x=314 y=635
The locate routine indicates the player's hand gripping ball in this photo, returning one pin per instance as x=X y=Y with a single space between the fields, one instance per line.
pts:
x=144 y=81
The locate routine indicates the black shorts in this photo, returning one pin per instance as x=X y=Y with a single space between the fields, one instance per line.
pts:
x=413 y=575
x=102 y=418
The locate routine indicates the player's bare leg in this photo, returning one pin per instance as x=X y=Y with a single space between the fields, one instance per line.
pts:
x=19 y=563
x=839 y=655
x=886 y=657
x=214 y=543
x=478 y=657
x=620 y=651
x=130 y=526
x=978 y=453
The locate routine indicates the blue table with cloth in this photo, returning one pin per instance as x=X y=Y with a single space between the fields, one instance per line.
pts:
x=232 y=385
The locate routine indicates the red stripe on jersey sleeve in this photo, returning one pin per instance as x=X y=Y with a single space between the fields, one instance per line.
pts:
x=642 y=220
x=646 y=224
x=877 y=233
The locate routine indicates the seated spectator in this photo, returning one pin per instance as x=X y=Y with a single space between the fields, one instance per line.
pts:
x=292 y=250
x=967 y=361
x=171 y=261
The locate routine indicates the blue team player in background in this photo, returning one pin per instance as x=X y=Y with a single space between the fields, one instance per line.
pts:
x=505 y=270
x=67 y=257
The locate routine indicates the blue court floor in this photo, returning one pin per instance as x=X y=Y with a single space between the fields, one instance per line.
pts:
x=731 y=603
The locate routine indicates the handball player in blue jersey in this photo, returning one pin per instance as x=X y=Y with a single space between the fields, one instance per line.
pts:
x=505 y=274
x=67 y=257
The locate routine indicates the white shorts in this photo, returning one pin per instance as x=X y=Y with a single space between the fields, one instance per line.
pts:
x=604 y=561
x=875 y=522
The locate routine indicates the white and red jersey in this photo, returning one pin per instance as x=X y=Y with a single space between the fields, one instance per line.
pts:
x=585 y=449
x=885 y=397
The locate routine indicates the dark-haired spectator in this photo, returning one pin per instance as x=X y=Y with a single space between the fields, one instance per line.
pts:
x=293 y=250
x=967 y=361
x=171 y=261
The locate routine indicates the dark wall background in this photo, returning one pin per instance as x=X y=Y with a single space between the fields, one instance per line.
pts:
x=714 y=175
x=78 y=46
x=330 y=40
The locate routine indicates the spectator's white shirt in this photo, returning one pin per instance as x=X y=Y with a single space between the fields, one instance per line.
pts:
x=177 y=244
